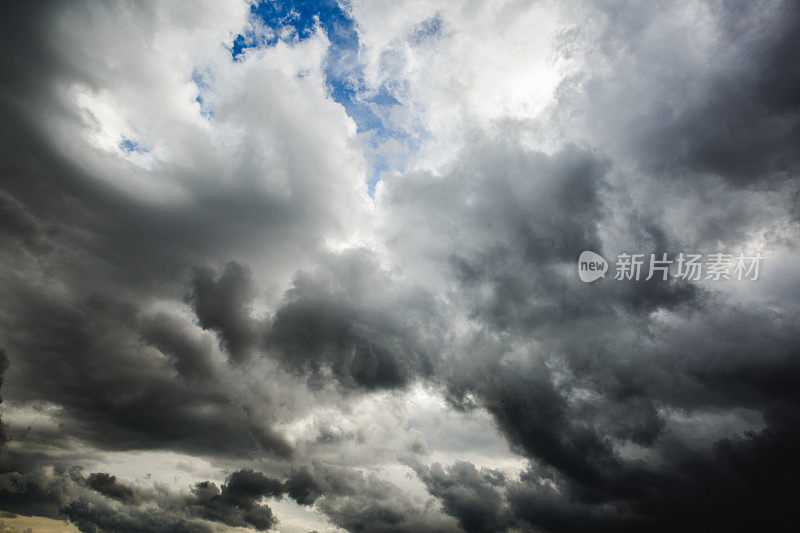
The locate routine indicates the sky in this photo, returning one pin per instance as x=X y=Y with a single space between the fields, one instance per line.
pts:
x=317 y=266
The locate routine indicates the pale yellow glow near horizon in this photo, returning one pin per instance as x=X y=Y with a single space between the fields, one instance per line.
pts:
x=35 y=524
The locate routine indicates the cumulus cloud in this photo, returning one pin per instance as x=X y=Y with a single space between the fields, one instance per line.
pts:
x=222 y=305
x=313 y=265
x=99 y=502
x=352 y=320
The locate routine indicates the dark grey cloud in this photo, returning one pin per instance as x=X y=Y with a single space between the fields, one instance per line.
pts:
x=95 y=519
x=587 y=381
x=579 y=479
x=100 y=502
x=351 y=320
x=223 y=304
x=107 y=485
x=3 y=368
x=93 y=356
x=237 y=503
x=28 y=495
x=236 y=300
x=516 y=221
x=699 y=89
x=192 y=358
x=358 y=502
x=474 y=497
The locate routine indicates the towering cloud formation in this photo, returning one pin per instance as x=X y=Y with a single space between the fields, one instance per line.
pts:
x=313 y=265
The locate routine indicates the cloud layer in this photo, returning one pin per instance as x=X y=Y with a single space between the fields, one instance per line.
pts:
x=313 y=267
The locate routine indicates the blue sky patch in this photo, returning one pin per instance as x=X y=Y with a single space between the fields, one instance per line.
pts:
x=297 y=20
x=202 y=83
x=131 y=146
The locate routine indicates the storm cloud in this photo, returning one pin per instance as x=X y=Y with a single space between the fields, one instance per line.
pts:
x=313 y=266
